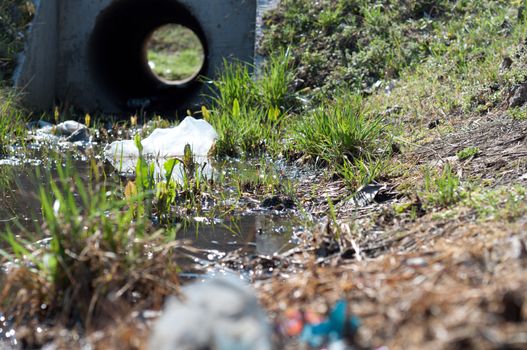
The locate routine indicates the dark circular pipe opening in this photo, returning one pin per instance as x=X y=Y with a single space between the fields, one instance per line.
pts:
x=118 y=56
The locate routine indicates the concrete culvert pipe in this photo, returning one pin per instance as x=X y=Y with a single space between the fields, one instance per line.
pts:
x=92 y=54
x=118 y=54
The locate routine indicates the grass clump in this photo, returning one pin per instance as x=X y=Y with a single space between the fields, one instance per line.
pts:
x=443 y=189
x=12 y=120
x=98 y=259
x=248 y=113
x=339 y=130
x=346 y=136
x=467 y=153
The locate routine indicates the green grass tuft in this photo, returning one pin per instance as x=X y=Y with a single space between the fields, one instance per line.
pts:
x=341 y=130
x=249 y=114
x=443 y=189
x=467 y=153
x=12 y=120
x=99 y=255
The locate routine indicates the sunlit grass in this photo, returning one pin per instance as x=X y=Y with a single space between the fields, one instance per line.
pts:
x=249 y=113
x=339 y=130
x=97 y=255
x=12 y=120
x=175 y=53
x=175 y=66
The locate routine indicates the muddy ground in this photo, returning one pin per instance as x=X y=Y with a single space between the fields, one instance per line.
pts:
x=425 y=281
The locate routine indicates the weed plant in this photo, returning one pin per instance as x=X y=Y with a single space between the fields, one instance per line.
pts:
x=443 y=189
x=361 y=172
x=170 y=193
x=467 y=153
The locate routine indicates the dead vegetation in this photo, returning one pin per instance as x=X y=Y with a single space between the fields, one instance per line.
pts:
x=446 y=285
x=501 y=144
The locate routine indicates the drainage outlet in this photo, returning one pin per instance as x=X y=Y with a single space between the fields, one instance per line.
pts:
x=127 y=55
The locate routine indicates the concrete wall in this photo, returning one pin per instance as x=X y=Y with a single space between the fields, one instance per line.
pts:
x=36 y=71
x=59 y=64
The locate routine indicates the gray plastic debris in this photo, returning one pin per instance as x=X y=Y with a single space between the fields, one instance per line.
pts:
x=221 y=313
x=69 y=127
x=373 y=193
x=70 y=131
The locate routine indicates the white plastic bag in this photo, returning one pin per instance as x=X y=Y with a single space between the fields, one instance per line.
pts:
x=164 y=144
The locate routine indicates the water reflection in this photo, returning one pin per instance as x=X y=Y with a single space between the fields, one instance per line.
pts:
x=257 y=233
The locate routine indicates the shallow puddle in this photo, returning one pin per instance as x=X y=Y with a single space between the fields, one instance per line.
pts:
x=245 y=229
x=253 y=231
x=20 y=180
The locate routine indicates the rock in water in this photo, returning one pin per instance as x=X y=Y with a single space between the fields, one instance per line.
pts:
x=70 y=131
x=69 y=127
x=220 y=314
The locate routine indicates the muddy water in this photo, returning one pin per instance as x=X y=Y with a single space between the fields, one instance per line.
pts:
x=20 y=180
x=256 y=232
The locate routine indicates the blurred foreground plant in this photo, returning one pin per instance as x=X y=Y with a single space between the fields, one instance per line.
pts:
x=97 y=260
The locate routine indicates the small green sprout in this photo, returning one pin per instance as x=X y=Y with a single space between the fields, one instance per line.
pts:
x=466 y=153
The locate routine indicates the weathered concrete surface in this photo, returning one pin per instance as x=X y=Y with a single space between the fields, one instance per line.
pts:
x=90 y=53
x=36 y=72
